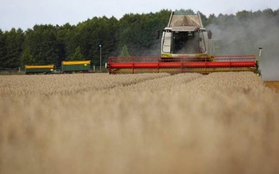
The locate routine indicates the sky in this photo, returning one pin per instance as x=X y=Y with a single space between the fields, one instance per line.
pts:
x=25 y=14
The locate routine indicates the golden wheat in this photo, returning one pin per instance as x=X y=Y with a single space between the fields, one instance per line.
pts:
x=145 y=123
x=18 y=85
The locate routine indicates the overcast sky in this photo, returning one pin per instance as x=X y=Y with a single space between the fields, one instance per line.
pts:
x=26 y=13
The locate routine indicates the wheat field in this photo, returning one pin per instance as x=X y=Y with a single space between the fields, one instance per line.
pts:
x=140 y=123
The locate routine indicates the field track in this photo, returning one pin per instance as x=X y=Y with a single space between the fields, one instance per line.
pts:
x=273 y=85
x=141 y=123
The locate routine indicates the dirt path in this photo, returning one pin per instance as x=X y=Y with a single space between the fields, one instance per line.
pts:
x=273 y=85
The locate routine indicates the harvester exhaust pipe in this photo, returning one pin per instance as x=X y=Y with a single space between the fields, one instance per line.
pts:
x=260 y=52
x=259 y=58
x=258 y=61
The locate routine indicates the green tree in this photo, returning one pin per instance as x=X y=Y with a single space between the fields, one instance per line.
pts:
x=27 y=58
x=77 y=55
x=138 y=31
x=43 y=44
x=211 y=20
x=94 y=32
x=14 y=40
x=184 y=12
x=64 y=35
x=2 y=48
x=124 y=52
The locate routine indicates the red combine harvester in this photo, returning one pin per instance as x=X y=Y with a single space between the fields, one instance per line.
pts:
x=185 y=47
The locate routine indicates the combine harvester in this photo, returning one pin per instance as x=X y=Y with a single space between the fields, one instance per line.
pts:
x=186 y=46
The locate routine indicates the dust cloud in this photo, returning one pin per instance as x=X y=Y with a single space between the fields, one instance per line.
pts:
x=239 y=37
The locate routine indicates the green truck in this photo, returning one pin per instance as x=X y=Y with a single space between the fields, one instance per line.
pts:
x=36 y=69
x=75 y=66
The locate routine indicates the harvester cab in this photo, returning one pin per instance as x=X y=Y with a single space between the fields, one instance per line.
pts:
x=186 y=46
x=185 y=36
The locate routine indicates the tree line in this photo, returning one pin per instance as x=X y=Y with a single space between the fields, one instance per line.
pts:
x=52 y=44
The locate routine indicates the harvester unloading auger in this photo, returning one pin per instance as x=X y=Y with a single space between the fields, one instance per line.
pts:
x=186 y=46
